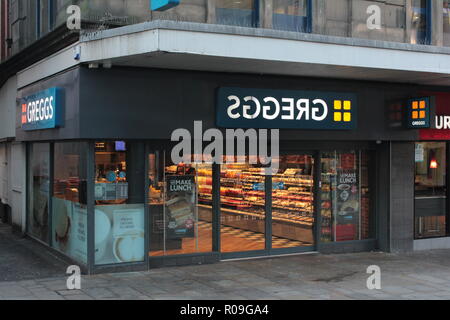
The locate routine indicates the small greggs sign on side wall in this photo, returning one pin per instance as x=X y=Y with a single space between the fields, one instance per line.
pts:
x=420 y=113
x=281 y=109
x=163 y=5
x=42 y=110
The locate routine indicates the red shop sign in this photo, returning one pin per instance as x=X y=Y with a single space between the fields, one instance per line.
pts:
x=442 y=120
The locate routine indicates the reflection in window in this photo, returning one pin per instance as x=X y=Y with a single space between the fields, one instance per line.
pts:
x=419 y=21
x=290 y=15
x=39 y=175
x=239 y=13
x=69 y=216
x=430 y=189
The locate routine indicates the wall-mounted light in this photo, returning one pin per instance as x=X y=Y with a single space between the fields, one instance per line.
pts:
x=434 y=164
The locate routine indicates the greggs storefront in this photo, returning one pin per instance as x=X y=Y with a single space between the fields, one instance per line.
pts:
x=189 y=167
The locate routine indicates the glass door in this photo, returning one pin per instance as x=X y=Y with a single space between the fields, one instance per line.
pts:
x=243 y=208
x=258 y=219
x=293 y=207
x=180 y=204
x=345 y=196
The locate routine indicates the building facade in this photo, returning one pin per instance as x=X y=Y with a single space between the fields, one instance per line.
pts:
x=358 y=91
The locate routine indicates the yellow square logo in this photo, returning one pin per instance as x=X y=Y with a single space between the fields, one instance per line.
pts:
x=347 y=117
x=419 y=111
x=342 y=111
x=338 y=116
x=337 y=105
x=347 y=105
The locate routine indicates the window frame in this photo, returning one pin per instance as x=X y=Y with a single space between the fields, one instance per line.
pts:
x=308 y=17
x=447 y=202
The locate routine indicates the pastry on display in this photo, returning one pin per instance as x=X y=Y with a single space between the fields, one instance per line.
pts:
x=205 y=172
x=242 y=192
x=293 y=171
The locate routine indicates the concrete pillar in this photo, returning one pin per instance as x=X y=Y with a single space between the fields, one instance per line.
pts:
x=402 y=197
x=318 y=16
x=267 y=14
x=17 y=186
x=211 y=11
x=408 y=13
x=437 y=31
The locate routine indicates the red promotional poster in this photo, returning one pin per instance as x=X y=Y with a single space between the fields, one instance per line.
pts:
x=347 y=161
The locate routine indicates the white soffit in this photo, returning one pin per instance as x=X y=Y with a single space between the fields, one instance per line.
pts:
x=190 y=49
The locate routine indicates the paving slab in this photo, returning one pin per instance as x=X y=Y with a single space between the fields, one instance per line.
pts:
x=23 y=259
x=420 y=275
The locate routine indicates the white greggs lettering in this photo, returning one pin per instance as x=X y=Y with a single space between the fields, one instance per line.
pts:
x=40 y=110
x=270 y=108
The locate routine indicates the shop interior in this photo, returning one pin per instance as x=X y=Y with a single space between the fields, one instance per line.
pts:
x=344 y=204
x=430 y=189
x=180 y=201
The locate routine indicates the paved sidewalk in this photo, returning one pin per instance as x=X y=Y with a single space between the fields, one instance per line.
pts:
x=23 y=259
x=423 y=275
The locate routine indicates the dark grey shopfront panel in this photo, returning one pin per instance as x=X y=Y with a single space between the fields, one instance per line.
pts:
x=402 y=197
x=69 y=83
x=131 y=103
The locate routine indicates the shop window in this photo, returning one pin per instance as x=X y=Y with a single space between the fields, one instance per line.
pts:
x=119 y=202
x=180 y=201
x=69 y=202
x=345 y=196
x=446 y=22
x=38 y=190
x=430 y=190
x=291 y=15
x=239 y=13
x=420 y=22
x=242 y=211
x=293 y=202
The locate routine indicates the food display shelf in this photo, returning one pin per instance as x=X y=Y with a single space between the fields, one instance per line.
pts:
x=286 y=218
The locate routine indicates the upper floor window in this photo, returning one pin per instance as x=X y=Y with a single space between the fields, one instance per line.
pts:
x=420 y=22
x=241 y=13
x=446 y=21
x=290 y=15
